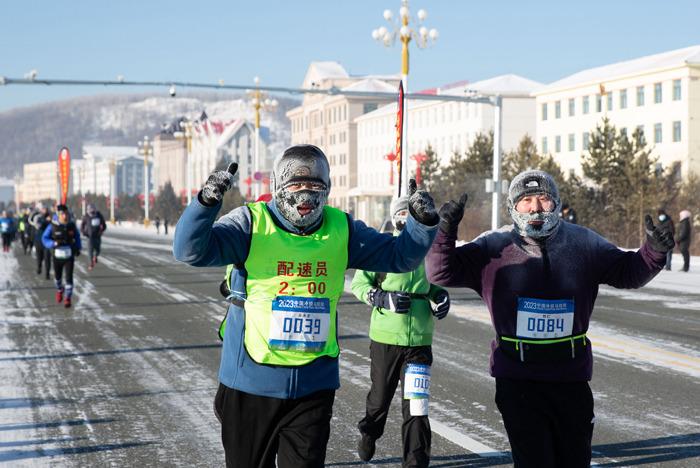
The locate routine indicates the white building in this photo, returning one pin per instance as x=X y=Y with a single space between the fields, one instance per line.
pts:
x=39 y=182
x=448 y=127
x=329 y=121
x=92 y=174
x=659 y=94
x=232 y=141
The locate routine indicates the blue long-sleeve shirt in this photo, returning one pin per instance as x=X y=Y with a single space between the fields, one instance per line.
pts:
x=199 y=241
x=7 y=225
x=49 y=243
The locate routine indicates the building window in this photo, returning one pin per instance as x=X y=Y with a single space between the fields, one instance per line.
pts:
x=544 y=111
x=657 y=93
x=658 y=137
x=610 y=100
x=584 y=140
x=586 y=105
x=598 y=103
x=572 y=107
x=677 y=131
x=623 y=99
x=557 y=110
x=572 y=142
x=545 y=148
x=557 y=144
x=676 y=90
x=640 y=95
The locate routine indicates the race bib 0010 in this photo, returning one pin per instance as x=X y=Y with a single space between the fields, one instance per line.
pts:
x=544 y=318
x=416 y=382
x=299 y=323
x=63 y=252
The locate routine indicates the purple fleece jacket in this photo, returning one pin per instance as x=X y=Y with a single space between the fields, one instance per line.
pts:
x=502 y=266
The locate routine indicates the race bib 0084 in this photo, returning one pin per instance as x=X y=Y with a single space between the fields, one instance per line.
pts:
x=299 y=323
x=545 y=318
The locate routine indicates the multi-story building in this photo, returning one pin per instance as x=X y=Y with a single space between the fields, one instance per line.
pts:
x=447 y=127
x=39 y=182
x=170 y=163
x=212 y=143
x=329 y=121
x=658 y=94
x=92 y=174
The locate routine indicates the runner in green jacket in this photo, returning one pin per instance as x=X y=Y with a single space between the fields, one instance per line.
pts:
x=401 y=335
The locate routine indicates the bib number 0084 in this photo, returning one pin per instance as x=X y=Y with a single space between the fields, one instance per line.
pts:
x=545 y=324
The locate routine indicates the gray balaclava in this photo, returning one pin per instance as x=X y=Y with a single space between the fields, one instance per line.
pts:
x=301 y=163
x=531 y=183
x=91 y=209
x=397 y=205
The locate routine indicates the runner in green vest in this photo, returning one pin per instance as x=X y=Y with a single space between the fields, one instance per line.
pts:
x=401 y=335
x=279 y=363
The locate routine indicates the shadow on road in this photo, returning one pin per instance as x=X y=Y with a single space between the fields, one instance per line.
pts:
x=461 y=460
x=110 y=351
x=651 y=451
x=14 y=455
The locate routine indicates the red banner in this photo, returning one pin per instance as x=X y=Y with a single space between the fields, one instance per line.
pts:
x=64 y=172
x=399 y=134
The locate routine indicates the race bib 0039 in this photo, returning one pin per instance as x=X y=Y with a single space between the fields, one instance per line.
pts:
x=299 y=323
x=544 y=318
x=416 y=382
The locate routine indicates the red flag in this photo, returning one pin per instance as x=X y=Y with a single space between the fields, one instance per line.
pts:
x=64 y=172
x=399 y=133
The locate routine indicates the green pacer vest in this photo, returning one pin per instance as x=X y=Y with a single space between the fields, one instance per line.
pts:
x=294 y=283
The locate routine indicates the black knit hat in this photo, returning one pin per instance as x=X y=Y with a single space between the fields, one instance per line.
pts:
x=531 y=183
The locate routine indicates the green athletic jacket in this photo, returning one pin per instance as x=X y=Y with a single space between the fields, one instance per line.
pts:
x=414 y=328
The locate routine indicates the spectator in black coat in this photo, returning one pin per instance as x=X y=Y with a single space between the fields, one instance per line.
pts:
x=666 y=223
x=683 y=238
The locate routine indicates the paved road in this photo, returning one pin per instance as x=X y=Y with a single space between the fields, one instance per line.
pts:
x=127 y=377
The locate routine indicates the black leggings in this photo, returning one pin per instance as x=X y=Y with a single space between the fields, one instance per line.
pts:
x=59 y=266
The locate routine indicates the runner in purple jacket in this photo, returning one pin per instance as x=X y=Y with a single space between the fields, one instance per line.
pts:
x=541 y=297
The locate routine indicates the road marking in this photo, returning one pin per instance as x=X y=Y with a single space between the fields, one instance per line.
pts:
x=464 y=440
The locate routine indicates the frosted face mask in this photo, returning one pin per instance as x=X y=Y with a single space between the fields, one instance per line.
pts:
x=538 y=216
x=301 y=185
x=399 y=212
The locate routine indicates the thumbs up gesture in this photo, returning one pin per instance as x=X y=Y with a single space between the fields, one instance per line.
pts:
x=217 y=184
x=421 y=205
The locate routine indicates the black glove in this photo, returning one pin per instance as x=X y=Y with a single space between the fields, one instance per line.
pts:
x=421 y=205
x=216 y=185
x=451 y=214
x=659 y=238
x=77 y=253
x=395 y=301
x=442 y=301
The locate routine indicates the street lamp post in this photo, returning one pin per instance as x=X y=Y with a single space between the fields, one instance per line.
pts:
x=260 y=102
x=112 y=189
x=422 y=37
x=186 y=134
x=146 y=148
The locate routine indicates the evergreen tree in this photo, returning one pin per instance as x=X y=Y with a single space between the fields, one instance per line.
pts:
x=430 y=170
x=525 y=157
x=167 y=205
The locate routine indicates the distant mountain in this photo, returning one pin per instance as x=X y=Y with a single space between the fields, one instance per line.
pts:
x=37 y=133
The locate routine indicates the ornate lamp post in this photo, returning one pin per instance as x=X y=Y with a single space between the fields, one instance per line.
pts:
x=260 y=102
x=146 y=148
x=423 y=37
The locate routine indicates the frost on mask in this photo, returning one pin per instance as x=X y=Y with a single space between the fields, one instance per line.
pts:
x=303 y=208
x=536 y=225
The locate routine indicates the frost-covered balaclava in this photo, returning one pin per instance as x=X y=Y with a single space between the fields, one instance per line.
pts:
x=397 y=205
x=91 y=209
x=534 y=183
x=301 y=163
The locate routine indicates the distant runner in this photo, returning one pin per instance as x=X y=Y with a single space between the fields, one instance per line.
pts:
x=92 y=227
x=62 y=237
x=40 y=220
x=7 y=228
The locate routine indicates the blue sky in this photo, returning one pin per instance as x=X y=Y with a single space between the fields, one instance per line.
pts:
x=276 y=40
